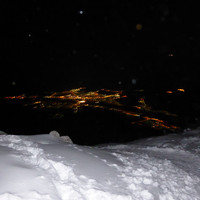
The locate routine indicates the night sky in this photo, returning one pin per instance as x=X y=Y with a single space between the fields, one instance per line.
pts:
x=134 y=45
x=57 y=45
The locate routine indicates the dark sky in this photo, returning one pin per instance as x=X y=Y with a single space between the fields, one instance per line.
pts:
x=53 y=45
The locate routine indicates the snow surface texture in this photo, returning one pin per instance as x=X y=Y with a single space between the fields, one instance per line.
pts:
x=63 y=138
x=44 y=167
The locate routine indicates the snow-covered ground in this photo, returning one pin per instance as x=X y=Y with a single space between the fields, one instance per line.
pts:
x=45 y=167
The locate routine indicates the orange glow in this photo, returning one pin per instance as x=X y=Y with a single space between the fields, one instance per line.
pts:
x=169 y=92
x=83 y=101
x=16 y=97
x=156 y=123
x=105 y=99
x=138 y=107
x=37 y=102
x=181 y=90
x=143 y=105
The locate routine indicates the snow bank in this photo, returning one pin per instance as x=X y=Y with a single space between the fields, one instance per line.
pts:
x=63 y=138
x=2 y=133
x=44 y=167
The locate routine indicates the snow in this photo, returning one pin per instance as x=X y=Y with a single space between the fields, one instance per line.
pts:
x=47 y=167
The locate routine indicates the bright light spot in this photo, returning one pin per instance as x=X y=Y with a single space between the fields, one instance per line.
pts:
x=171 y=55
x=81 y=12
x=37 y=102
x=29 y=35
x=169 y=92
x=181 y=90
x=82 y=101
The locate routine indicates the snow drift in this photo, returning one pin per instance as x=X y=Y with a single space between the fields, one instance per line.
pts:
x=45 y=167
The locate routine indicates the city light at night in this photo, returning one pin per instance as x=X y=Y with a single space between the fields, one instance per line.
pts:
x=104 y=99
